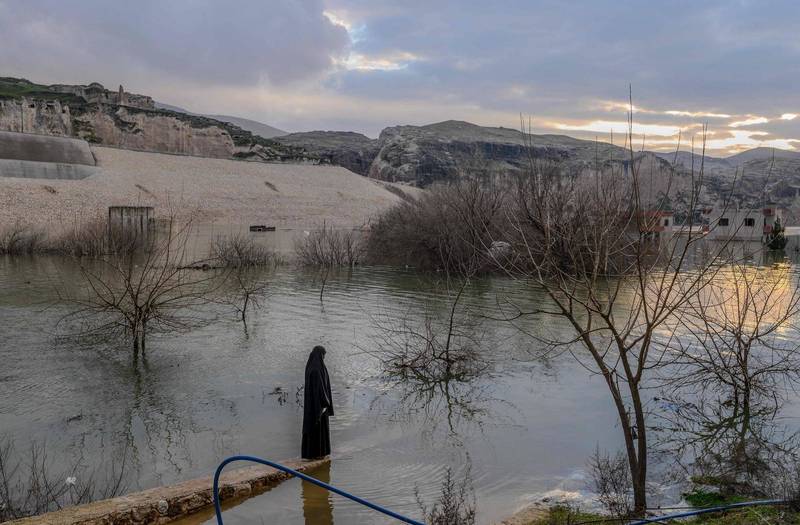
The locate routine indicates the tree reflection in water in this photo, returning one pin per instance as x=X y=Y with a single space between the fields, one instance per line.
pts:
x=736 y=357
x=436 y=362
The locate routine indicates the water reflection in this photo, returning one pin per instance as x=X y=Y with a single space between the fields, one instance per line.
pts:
x=317 y=504
x=203 y=395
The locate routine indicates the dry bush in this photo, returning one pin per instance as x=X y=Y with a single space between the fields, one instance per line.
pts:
x=446 y=225
x=95 y=238
x=456 y=503
x=611 y=481
x=31 y=486
x=238 y=251
x=20 y=239
x=327 y=247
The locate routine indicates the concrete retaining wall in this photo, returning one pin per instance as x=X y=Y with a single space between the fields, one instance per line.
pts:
x=44 y=170
x=44 y=148
x=166 y=504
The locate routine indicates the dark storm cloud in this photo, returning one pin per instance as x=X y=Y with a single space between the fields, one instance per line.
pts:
x=218 y=42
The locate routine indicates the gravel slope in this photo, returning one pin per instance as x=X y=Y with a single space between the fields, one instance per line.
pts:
x=217 y=190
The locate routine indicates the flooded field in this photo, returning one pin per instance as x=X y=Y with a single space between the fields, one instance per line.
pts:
x=526 y=425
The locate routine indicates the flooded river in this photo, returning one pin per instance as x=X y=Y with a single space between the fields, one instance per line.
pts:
x=526 y=426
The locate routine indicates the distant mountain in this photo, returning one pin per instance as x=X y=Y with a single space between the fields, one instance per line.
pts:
x=762 y=154
x=694 y=161
x=253 y=126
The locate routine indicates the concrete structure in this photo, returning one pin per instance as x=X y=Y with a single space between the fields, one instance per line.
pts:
x=134 y=222
x=27 y=169
x=44 y=148
x=742 y=224
x=166 y=504
x=656 y=225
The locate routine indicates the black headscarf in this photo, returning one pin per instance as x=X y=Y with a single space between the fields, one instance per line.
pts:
x=317 y=395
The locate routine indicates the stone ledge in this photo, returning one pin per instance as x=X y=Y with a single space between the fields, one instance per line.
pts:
x=169 y=503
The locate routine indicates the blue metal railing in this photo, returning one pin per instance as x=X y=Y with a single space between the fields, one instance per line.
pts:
x=373 y=506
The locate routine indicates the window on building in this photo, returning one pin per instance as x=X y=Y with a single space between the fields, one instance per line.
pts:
x=749 y=222
x=723 y=221
x=666 y=222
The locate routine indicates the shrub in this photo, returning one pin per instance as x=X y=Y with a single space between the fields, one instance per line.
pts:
x=328 y=247
x=238 y=251
x=448 y=227
x=20 y=239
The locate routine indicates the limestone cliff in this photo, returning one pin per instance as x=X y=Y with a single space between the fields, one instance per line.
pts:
x=130 y=121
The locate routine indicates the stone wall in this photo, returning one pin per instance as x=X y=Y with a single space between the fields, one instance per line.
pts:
x=166 y=504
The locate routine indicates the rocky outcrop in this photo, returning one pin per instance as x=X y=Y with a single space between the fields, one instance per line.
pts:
x=353 y=151
x=95 y=93
x=127 y=128
x=424 y=155
x=28 y=115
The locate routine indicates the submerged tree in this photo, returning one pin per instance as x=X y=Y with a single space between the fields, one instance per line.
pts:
x=132 y=293
x=593 y=240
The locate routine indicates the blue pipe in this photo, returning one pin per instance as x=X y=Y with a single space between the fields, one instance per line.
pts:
x=373 y=506
x=709 y=510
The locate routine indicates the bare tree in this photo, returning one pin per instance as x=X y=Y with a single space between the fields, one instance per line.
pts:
x=588 y=240
x=246 y=287
x=137 y=292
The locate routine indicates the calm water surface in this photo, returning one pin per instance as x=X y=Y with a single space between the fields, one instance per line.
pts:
x=527 y=426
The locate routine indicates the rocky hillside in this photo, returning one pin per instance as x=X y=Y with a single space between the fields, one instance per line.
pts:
x=757 y=177
x=423 y=155
x=129 y=121
x=350 y=150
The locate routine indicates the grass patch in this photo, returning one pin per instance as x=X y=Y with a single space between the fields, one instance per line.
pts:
x=562 y=515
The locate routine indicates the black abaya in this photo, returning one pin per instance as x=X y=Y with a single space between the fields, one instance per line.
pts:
x=317 y=407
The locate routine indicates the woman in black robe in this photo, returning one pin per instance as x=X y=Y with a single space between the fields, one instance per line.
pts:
x=317 y=407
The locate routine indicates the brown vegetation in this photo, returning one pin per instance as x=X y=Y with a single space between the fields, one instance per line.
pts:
x=329 y=247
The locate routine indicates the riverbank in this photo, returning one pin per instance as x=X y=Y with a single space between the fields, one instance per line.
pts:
x=566 y=516
x=171 y=503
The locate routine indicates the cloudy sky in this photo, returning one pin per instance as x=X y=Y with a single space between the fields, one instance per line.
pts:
x=363 y=65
